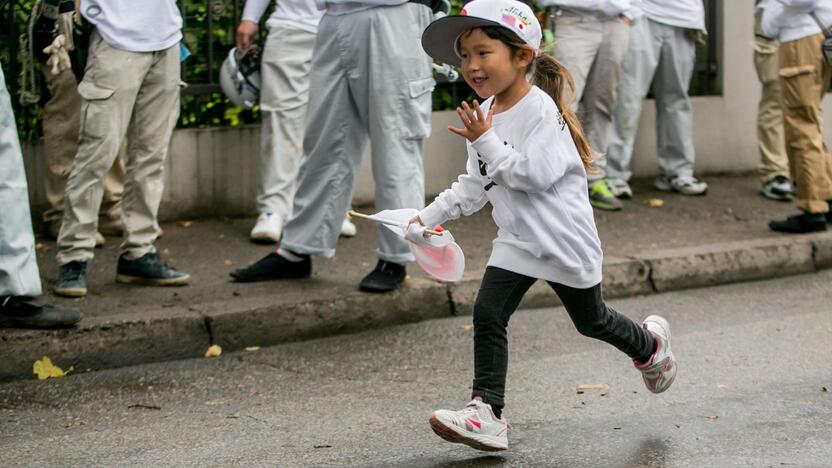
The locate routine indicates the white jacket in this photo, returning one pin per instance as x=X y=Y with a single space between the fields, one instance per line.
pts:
x=789 y=20
x=594 y=9
x=528 y=167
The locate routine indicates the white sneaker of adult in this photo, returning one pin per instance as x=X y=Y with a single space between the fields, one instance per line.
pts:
x=268 y=229
x=684 y=184
x=474 y=426
x=660 y=370
x=620 y=188
x=348 y=229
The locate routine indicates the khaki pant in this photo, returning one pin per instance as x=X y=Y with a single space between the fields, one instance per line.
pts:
x=61 y=118
x=804 y=77
x=593 y=52
x=770 y=139
x=124 y=94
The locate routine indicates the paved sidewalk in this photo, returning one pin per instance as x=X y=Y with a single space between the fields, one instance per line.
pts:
x=687 y=242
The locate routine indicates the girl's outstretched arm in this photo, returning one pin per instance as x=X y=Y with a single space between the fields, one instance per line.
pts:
x=466 y=196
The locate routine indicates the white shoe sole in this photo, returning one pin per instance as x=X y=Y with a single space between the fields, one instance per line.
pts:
x=180 y=281
x=456 y=435
x=662 y=322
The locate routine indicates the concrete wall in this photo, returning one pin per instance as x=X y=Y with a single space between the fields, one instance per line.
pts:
x=213 y=172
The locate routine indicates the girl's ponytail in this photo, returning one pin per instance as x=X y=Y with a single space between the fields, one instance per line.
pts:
x=551 y=76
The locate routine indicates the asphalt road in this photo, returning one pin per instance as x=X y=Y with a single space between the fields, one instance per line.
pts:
x=754 y=389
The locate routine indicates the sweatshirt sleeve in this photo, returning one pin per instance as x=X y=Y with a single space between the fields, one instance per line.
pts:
x=254 y=9
x=466 y=196
x=537 y=168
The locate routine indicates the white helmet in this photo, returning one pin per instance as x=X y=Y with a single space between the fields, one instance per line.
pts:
x=240 y=77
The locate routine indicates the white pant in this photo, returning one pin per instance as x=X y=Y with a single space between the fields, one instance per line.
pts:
x=284 y=93
x=663 y=55
x=369 y=77
x=593 y=51
x=18 y=265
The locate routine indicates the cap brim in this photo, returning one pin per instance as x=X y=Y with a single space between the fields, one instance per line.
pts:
x=439 y=38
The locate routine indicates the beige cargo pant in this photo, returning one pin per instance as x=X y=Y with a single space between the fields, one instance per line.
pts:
x=61 y=119
x=804 y=78
x=124 y=94
x=770 y=139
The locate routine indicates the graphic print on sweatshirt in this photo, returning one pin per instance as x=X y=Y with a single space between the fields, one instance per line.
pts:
x=484 y=169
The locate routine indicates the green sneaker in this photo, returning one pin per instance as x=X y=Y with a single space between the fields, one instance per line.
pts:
x=600 y=197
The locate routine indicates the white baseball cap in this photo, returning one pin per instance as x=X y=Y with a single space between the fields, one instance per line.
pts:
x=441 y=38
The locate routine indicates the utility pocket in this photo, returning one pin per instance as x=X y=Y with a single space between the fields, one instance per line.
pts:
x=96 y=113
x=416 y=112
x=799 y=86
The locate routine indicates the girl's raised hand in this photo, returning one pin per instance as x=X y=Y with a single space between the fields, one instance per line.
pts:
x=476 y=122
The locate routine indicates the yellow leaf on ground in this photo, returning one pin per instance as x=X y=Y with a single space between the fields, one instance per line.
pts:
x=44 y=369
x=466 y=327
x=213 y=351
x=655 y=202
x=583 y=388
x=251 y=349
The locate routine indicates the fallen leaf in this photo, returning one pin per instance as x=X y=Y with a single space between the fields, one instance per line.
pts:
x=213 y=351
x=655 y=202
x=184 y=224
x=44 y=369
x=322 y=446
x=711 y=418
x=228 y=263
x=824 y=389
x=586 y=387
x=235 y=293
x=252 y=349
x=466 y=328
x=39 y=246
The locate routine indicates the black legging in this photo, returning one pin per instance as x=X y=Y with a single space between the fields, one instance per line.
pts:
x=500 y=294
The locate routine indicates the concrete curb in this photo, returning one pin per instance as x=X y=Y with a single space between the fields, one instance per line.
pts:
x=178 y=333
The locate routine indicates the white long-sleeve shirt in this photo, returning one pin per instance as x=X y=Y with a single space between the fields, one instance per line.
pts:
x=595 y=10
x=789 y=20
x=689 y=14
x=146 y=26
x=528 y=167
x=344 y=7
x=300 y=14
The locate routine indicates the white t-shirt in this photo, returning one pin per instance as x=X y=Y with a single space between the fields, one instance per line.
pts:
x=136 y=26
x=689 y=14
x=536 y=183
x=345 y=7
x=592 y=10
x=300 y=14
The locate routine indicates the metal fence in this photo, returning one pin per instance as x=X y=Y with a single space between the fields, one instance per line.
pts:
x=209 y=32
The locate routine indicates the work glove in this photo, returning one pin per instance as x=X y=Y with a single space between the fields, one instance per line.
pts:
x=58 y=60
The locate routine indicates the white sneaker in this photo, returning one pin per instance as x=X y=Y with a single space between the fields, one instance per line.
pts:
x=474 y=425
x=620 y=189
x=684 y=184
x=660 y=370
x=348 y=229
x=268 y=229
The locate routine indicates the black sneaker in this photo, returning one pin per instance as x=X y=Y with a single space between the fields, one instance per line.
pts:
x=72 y=280
x=149 y=270
x=800 y=224
x=26 y=312
x=829 y=213
x=386 y=277
x=274 y=267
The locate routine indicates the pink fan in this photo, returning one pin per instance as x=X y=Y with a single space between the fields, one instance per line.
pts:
x=435 y=249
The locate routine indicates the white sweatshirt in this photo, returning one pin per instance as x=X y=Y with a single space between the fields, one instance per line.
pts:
x=789 y=20
x=536 y=183
x=593 y=10
x=145 y=26
x=688 y=14
x=299 y=14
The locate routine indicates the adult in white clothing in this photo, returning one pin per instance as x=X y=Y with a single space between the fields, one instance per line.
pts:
x=662 y=51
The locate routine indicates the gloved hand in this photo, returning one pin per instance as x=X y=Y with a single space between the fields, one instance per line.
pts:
x=58 y=57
